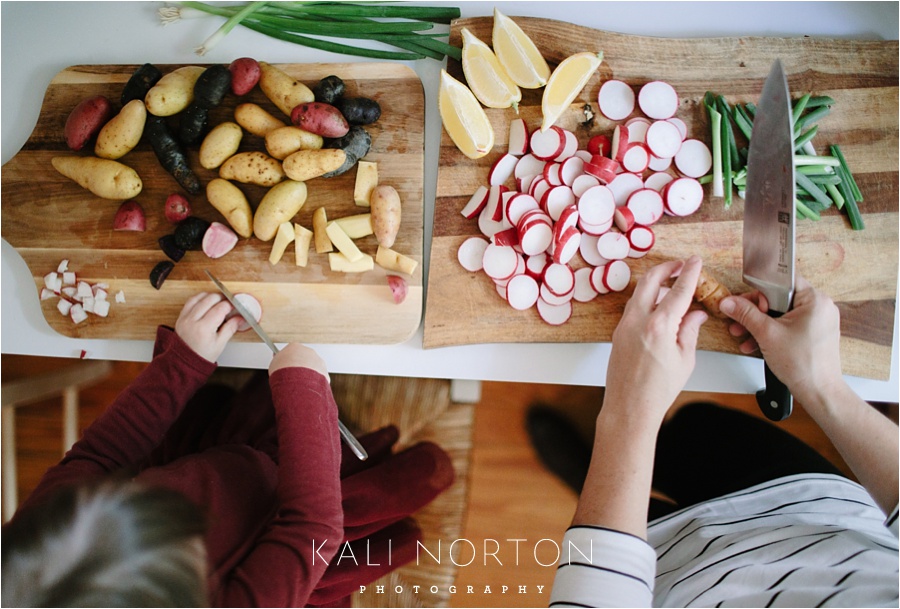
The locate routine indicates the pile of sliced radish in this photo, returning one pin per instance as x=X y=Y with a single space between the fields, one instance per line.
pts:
x=565 y=231
x=77 y=298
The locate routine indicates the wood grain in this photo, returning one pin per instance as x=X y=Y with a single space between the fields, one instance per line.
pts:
x=48 y=218
x=857 y=268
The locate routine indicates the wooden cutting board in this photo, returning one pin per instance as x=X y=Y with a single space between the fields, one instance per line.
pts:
x=857 y=268
x=47 y=218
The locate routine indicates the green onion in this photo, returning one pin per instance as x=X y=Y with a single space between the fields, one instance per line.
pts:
x=835 y=194
x=799 y=106
x=743 y=122
x=814 y=159
x=811 y=117
x=801 y=140
x=805 y=211
x=836 y=152
x=715 y=120
x=814 y=191
x=235 y=19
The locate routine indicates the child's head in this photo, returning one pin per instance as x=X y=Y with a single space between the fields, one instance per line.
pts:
x=108 y=545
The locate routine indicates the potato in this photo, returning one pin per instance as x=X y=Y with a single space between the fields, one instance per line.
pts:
x=284 y=141
x=283 y=238
x=320 y=223
x=256 y=119
x=278 y=205
x=357 y=226
x=231 y=203
x=385 y=206
x=123 y=132
x=340 y=264
x=302 y=239
x=244 y=75
x=220 y=144
x=285 y=91
x=252 y=168
x=345 y=244
x=105 y=178
x=390 y=260
x=307 y=164
x=86 y=120
x=366 y=181
x=173 y=92
x=322 y=119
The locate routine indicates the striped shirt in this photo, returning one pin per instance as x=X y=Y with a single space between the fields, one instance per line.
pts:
x=811 y=540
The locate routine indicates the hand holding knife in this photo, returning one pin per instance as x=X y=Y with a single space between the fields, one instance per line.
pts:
x=346 y=435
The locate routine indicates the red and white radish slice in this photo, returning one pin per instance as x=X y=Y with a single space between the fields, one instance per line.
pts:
x=571 y=169
x=566 y=243
x=624 y=219
x=77 y=313
x=522 y=292
x=555 y=315
x=597 y=279
x=616 y=100
x=546 y=145
x=658 y=180
x=570 y=148
x=518 y=137
x=501 y=291
x=63 y=266
x=551 y=173
x=636 y=158
x=658 y=100
x=69 y=291
x=613 y=246
x=594 y=229
x=101 y=308
x=47 y=294
x=637 y=129
x=523 y=184
x=502 y=169
x=529 y=165
x=600 y=145
x=679 y=124
x=641 y=238
x=559 y=279
x=476 y=203
x=69 y=278
x=604 y=176
x=471 y=254
x=84 y=290
x=500 y=208
x=624 y=185
x=535 y=238
x=633 y=253
x=251 y=305
x=486 y=223
x=509 y=237
x=584 y=291
x=663 y=139
x=520 y=270
x=647 y=206
x=684 y=196
x=568 y=218
x=658 y=164
x=556 y=200
x=64 y=306
x=539 y=188
x=551 y=298
x=53 y=282
x=596 y=206
x=616 y=275
x=588 y=250
x=693 y=159
x=500 y=261
x=584 y=155
x=517 y=205
x=583 y=182
x=536 y=264
x=619 y=142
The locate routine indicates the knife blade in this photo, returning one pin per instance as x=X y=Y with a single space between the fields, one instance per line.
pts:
x=770 y=219
x=347 y=436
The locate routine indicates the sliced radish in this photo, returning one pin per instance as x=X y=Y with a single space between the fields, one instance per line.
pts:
x=539 y=188
x=502 y=169
x=523 y=184
x=584 y=291
x=597 y=279
x=518 y=204
x=619 y=142
x=559 y=279
x=509 y=237
x=535 y=265
x=84 y=290
x=471 y=253
x=679 y=124
x=501 y=290
x=637 y=129
x=583 y=182
x=624 y=185
x=636 y=158
x=658 y=100
x=633 y=253
x=53 y=282
x=529 y=165
x=500 y=261
x=546 y=145
x=571 y=169
x=77 y=313
x=63 y=266
x=251 y=305
x=556 y=200
x=518 y=137
x=535 y=238
x=551 y=173
x=570 y=147
x=99 y=293
x=616 y=100
x=641 y=238
x=120 y=296
x=486 y=222
x=566 y=244
x=476 y=203
x=584 y=155
x=47 y=294
x=596 y=206
x=664 y=139
x=70 y=291
x=603 y=175
x=500 y=208
x=101 y=308
x=87 y=304
x=693 y=159
x=616 y=275
x=647 y=206
x=600 y=145
x=658 y=164
x=657 y=180
x=624 y=219
x=568 y=218
x=684 y=196
x=520 y=270
x=522 y=292
x=69 y=278
x=613 y=246
x=553 y=299
x=64 y=306
x=588 y=250
x=555 y=315
x=594 y=229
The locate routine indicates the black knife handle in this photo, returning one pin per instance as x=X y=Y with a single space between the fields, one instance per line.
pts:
x=775 y=399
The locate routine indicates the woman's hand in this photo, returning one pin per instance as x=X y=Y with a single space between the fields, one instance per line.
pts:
x=202 y=326
x=654 y=345
x=296 y=355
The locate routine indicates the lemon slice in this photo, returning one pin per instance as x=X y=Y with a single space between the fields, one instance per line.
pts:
x=487 y=79
x=518 y=53
x=566 y=82
x=464 y=118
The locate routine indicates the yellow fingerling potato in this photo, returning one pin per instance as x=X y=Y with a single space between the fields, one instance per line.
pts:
x=385 y=208
x=105 y=178
x=390 y=260
x=282 y=89
x=252 y=168
x=220 y=144
x=256 y=119
x=284 y=141
x=278 y=205
x=231 y=203
x=173 y=92
x=122 y=132
x=307 y=164
x=302 y=240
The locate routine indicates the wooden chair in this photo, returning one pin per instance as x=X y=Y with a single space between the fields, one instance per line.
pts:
x=66 y=381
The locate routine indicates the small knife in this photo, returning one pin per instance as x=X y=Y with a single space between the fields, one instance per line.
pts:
x=770 y=219
x=347 y=436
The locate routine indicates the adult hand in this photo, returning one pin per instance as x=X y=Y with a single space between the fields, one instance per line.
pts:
x=654 y=345
x=296 y=355
x=202 y=326
x=802 y=347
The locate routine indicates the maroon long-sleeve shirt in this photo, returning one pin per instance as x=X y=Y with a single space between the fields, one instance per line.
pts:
x=273 y=527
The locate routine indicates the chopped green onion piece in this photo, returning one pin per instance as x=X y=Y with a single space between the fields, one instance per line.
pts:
x=836 y=152
x=819 y=100
x=856 y=220
x=835 y=194
x=813 y=159
x=799 y=106
x=715 y=121
x=805 y=211
x=743 y=122
x=801 y=140
x=814 y=191
x=811 y=117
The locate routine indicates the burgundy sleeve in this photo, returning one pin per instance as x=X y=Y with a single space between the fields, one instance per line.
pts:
x=290 y=558
x=135 y=423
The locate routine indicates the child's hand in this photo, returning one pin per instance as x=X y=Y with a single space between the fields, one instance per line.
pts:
x=296 y=355
x=200 y=324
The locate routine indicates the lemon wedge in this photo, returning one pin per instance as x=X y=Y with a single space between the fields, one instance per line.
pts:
x=566 y=82
x=487 y=79
x=518 y=53
x=464 y=118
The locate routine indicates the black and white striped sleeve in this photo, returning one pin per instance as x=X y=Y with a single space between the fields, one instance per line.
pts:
x=603 y=568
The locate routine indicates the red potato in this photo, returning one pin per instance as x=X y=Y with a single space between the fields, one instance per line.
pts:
x=399 y=288
x=86 y=120
x=321 y=119
x=218 y=240
x=244 y=75
x=177 y=208
x=130 y=217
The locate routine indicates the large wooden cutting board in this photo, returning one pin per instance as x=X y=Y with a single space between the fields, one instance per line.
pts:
x=48 y=218
x=857 y=268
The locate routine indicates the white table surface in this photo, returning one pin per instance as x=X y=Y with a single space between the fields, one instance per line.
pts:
x=41 y=38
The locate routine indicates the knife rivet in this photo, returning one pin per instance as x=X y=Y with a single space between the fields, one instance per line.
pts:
x=773 y=404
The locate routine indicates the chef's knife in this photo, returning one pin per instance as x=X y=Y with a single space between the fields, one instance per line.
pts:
x=769 y=219
x=348 y=437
